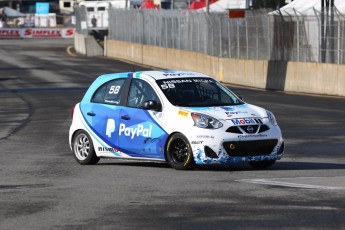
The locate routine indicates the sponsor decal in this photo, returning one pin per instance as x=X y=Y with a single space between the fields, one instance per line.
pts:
x=42 y=33
x=183 y=113
x=140 y=130
x=252 y=136
x=150 y=140
x=106 y=149
x=202 y=80
x=69 y=33
x=197 y=142
x=110 y=127
x=231 y=111
x=227 y=108
x=177 y=81
x=172 y=74
x=246 y=121
x=37 y=33
x=9 y=33
x=171 y=83
x=229 y=114
x=204 y=136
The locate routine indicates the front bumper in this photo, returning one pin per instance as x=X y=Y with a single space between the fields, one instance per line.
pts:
x=231 y=151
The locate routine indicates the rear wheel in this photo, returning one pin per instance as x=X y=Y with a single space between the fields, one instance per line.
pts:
x=179 y=152
x=261 y=164
x=83 y=150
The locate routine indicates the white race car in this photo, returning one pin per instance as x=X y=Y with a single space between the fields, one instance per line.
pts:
x=184 y=118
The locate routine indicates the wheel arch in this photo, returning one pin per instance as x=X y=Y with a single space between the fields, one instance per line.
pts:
x=166 y=145
x=74 y=133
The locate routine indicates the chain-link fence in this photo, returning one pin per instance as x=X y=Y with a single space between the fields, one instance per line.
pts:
x=213 y=34
x=260 y=35
x=318 y=37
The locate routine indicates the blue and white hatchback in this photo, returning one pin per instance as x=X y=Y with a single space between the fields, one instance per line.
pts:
x=184 y=118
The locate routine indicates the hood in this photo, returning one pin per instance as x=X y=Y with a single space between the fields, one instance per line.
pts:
x=230 y=112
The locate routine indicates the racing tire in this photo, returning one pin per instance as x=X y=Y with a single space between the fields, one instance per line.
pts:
x=82 y=146
x=179 y=153
x=261 y=164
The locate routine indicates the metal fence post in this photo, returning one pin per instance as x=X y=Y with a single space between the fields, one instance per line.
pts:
x=220 y=39
x=229 y=39
x=247 y=39
x=238 y=40
x=297 y=36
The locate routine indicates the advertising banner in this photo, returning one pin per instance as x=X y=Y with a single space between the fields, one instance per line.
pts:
x=37 y=33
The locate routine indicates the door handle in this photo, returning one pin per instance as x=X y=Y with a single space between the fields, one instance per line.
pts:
x=125 y=117
x=92 y=114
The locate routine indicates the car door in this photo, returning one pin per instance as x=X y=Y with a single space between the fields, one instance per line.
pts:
x=102 y=113
x=140 y=132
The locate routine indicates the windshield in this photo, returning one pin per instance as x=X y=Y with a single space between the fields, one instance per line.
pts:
x=197 y=92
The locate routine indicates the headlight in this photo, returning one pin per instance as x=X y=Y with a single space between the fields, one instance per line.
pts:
x=206 y=122
x=271 y=118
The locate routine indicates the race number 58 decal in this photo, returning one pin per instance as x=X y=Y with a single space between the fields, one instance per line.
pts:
x=114 y=89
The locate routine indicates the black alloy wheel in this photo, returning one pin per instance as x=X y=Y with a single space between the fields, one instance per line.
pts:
x=179 y=152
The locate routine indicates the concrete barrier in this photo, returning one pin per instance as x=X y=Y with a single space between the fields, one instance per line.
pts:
x=125 y=50
x=87 y=45
x=79 y=43
x=303 y=77
x=155 y=56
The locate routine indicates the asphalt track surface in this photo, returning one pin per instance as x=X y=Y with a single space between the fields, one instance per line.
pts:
x=42 y=186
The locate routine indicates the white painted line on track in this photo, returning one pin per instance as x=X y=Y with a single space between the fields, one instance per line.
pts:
x=317 y=180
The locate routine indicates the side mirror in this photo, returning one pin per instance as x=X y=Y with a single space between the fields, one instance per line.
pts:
x=152 y=105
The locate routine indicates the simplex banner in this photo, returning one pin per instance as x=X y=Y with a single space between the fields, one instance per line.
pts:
x=37 y=32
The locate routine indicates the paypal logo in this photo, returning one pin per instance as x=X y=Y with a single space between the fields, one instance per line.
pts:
x=110 y=127
x=132 y=132
x=140 y=130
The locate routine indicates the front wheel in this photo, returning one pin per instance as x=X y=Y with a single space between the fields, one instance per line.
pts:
x=83 y=150
x=179 y=153
x=261 y=164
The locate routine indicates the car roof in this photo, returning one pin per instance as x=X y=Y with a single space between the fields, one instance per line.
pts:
x=156 y=75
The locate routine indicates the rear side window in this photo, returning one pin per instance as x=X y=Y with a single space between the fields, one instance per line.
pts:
x=109 y=93
x=98 y=97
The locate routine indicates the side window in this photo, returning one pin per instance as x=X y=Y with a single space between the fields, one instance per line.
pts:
x=109 y=92
x=98 y=97
x=114 y=91
x=139 y=92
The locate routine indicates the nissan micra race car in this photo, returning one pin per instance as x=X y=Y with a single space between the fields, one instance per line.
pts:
x=184 y=118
